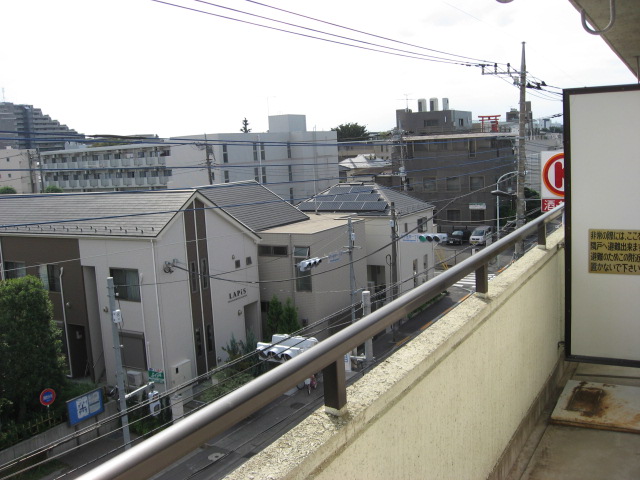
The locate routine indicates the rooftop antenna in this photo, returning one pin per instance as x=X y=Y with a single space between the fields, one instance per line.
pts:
x=406 y=98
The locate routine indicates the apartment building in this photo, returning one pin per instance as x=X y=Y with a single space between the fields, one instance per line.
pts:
x=291 y=161
x=25 y=126
x=17 y=170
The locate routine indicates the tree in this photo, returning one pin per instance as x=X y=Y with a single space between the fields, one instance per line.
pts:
x=281 y=319
x=30 y=347
x=245 y=126
x=5 y=190
x=274 y=313
x=290 y=322
x=351 y=132
x=53 y=189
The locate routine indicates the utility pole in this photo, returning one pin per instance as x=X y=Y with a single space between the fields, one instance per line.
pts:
x=520 y=203
x=40 y=167
x=522 y=155
x=352 y=275
x=207 y=149
x=366 y=310
x=394 y=252
x=116 y=318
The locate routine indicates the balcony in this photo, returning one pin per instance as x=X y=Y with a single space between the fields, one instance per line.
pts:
x=453 y=398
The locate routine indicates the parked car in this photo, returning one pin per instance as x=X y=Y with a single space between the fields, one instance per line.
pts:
x=458 y=237
x=480 y=235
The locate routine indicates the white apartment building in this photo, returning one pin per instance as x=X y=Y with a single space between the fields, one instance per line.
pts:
x=291 y=161
x=16 y=170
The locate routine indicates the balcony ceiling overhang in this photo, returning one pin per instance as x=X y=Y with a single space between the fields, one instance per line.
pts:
x=624 y=37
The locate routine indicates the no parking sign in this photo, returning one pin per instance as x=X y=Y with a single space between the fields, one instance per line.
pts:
x=552 y=181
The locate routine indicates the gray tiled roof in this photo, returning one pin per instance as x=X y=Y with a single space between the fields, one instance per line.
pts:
x=363 y=199
x=253 y=205
x=130 y=214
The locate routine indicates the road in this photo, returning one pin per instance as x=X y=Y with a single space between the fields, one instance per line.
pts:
x=224 y=453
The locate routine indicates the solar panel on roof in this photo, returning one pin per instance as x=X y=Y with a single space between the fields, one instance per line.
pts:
x=339 y=189
x=375 y=206
x=351 y=206
x=324 y=198
x=368 y=197
x=361 y=189
x=346 y=197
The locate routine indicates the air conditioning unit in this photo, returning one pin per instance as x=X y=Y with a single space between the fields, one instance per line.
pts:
x=134 y=378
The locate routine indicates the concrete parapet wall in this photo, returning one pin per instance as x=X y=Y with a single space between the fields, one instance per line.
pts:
x=447 y=404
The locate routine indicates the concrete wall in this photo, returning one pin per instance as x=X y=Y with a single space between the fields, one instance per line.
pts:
x=60 y=431
x=448 y=404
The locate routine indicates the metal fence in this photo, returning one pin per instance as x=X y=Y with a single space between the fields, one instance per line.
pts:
x=168 y=446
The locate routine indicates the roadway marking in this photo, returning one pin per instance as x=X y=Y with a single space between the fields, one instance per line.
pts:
x=470 y=280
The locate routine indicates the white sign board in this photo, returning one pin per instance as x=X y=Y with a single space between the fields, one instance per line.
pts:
x=603 y=224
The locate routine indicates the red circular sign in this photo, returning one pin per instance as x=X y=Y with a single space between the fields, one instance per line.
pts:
x=48 y=396
x=553 y=174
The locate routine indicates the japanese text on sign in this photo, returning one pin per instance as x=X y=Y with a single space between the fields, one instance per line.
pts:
x=614 y=251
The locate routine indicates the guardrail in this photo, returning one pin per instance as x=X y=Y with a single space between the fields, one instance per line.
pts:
x=168 y=446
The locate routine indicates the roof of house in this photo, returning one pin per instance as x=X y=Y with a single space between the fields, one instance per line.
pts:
x=363 y=199
x=364 y=161
x=253 y=205
x=117 y=214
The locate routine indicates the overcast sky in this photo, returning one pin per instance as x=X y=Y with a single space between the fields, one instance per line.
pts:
x=140 y=66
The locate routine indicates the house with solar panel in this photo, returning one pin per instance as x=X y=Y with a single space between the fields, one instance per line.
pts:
x=367 y=238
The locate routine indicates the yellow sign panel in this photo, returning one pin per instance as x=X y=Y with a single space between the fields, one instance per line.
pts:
x=614 y=251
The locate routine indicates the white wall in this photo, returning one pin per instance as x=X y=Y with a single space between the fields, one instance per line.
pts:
x=447 y=404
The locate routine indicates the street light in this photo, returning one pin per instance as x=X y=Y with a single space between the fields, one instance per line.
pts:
x=499 y=193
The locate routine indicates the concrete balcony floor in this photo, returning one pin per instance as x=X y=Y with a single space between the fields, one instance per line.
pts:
x=583 y=453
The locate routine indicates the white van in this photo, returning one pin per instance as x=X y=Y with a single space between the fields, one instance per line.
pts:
x=480 y=235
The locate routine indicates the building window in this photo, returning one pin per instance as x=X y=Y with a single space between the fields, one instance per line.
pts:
x=476 y=183
x=141 y=154
x=429 y=184
x=264 y=174
x=127 y=283
x=422 y=224
x=255 y=152
x=248 y=261
x=273 y=250
x=290 y=171
x=461 y=122
x=453 y=184
x=226 y=176
x=133 y=350
x=204 y=273
x=288 y=150
x=117 y=156
x=225 y=153
x=14 y=270
x=95 y=158
x=256 y=174
x=262 y=154
x=472 y=148
x=198 y=340
x=106 y=156
x=431 y=123
x=291 y=199
x=209 y=337
x=303 y=279
x=237 y=263
x=477 y=215
x=453 y=215
x=193 y=276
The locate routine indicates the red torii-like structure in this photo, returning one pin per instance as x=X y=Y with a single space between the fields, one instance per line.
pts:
x=492 y=120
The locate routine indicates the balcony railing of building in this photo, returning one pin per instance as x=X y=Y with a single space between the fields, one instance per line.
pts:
x=168 y=446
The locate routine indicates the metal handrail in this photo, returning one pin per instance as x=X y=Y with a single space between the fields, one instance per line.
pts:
x=168 y=446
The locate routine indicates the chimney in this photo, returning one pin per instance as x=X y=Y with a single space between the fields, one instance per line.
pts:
x=422 y=105
x=445 y=104
x=433 y=104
